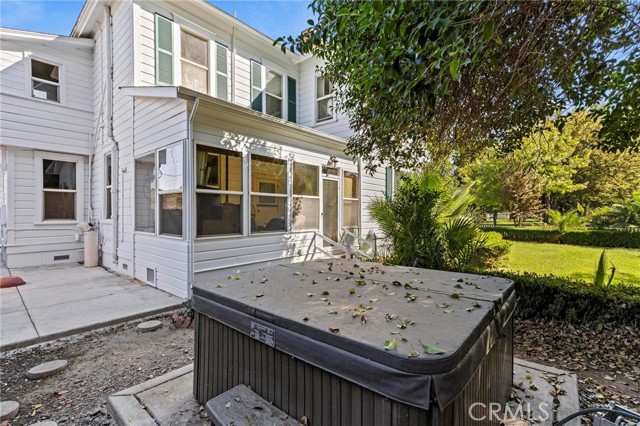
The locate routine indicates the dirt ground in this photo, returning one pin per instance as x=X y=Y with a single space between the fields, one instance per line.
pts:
x=606 y=359
x=99 y=364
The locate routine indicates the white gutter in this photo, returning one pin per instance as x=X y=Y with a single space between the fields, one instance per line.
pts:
x=190 y=176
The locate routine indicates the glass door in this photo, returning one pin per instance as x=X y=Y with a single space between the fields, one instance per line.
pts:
x=330 y=202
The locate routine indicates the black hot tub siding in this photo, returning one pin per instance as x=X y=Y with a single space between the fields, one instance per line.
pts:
x=479 y=368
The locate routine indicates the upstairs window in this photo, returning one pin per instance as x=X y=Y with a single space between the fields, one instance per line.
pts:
x=268 y=92
x=45 y=81
x=324 y=99
x=274 y=94
x=194 y=62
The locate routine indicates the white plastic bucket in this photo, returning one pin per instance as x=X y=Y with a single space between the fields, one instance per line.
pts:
x=90 y=249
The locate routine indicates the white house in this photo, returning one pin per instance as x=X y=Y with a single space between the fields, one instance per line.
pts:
x=191 y=142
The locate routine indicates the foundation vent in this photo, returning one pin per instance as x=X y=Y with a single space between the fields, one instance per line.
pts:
x=61 y=257
x=151 y=275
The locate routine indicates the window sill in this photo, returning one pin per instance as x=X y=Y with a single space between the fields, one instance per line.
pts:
x=56 y=222
x=324 y=122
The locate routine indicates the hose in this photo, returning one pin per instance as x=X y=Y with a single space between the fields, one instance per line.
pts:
x=597 y=410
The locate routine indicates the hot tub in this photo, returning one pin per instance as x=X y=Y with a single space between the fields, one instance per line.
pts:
x=357 y=343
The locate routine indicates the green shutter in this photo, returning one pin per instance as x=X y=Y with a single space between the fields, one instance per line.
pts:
x=291 y=97
x=222 y=72
x=164 y=51
x=388 y=182
x=256 y=86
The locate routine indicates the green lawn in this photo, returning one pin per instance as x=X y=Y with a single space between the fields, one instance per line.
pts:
x=572 y=261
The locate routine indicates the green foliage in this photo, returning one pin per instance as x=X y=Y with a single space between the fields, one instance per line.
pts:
x=494 y=253
x=578 y=302
x=592 y=238
x=601 y=271
x=428 y=223
x=421 y=76
x=625 y=216
x=565 y=221
x=610 y=177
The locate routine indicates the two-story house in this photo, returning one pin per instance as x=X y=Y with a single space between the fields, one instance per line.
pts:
x=194 y=145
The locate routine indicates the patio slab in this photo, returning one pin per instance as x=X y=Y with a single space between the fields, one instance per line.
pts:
x=168 y=399
x=62 y=300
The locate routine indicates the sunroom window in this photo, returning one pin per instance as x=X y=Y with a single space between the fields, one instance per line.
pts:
x=45 y=81
x=145 y=193
x=350 y=200
x=169 y=174
x=306 y=199
x=268 y=194
x=218 y=191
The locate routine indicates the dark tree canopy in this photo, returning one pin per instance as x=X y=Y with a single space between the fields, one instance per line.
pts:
x=456 y=76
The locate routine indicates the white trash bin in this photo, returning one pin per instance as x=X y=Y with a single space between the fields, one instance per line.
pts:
x=90 y=249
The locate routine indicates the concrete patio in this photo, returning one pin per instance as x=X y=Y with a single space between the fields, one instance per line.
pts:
x=168 y=399
x=62 y=300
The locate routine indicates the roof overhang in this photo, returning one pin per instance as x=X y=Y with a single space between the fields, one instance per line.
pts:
x=20 y=35
x=241 y=114
x=89 y=16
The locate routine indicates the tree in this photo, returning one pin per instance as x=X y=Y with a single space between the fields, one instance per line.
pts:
x=523 y=189
x=610 y=177
x=443 y=77
x=485 y=173
x=557 y=151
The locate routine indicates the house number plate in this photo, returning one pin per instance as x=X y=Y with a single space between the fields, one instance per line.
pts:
x=264 y=334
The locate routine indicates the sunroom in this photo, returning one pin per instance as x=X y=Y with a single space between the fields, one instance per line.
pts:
x=242 y=190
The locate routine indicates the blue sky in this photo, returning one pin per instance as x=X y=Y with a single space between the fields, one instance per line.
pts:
x=273 y=18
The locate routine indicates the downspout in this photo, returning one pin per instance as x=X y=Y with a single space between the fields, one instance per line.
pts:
x=114 y=145
x=233 y=64
x=190 y=175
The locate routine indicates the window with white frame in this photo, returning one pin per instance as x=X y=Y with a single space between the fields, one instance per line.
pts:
x=306 y=197
x=145 y=193
x=169 y=173
x=45 y=81
x=350 y=200
x=324 y=99
x=219 y=191
x=274 y=94
x=269 y=194
x=194 y=62
x=61 y=184
x=270 y=95
x=107 y=186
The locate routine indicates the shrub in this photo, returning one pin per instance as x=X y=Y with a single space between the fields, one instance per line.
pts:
x=592 y=238
x=578 y=302
x=565 y=222
x=625 y=216
x=428 y=224
x=495 y=251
